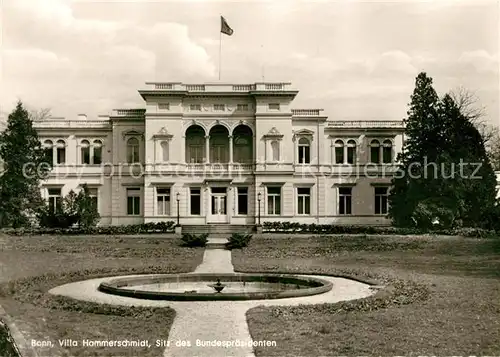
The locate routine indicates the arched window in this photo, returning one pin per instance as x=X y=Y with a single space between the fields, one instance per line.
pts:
x=242 y=144
x=304 y=151
x=375 y=151
x=164 y=151
x=242 y=150
x=387 y=152
x=339 y=152
x=219 y=144
x=195 y=144
x=132 y=150
x=48 y=147
x=85 y=152
x=97 y=152
x=351 y=152
x=275 y=150
x=61 y=151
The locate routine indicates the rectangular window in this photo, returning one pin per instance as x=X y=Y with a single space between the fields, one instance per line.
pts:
x=61 y=155
x=345 y=200
x=133 y=201
x=242 y=200
x=164 y=106
x=219 y=107
x=303 y=200
x=54 y=198
x=304 y=154
x=85 y=155
x=274 y=200
x=351 y=154
x=387 y=154
x=242 y=107
x=97 y=155
x=195 y=107
x=375 y=154
x=163 y=201
x=195 y=201
x=274 y=106
x=49 y=155
x=339 y=154
x=381 y=199
x=94 y=196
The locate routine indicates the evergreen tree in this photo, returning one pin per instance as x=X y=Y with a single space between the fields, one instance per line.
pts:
x=87 y=211
x=24 y=164
x=475 y=180
x=452 y=180
x=420 y=140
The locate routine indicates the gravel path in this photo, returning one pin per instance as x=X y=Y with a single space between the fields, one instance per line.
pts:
x=213 y=321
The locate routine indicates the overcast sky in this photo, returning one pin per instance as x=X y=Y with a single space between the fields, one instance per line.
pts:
x=357 y=60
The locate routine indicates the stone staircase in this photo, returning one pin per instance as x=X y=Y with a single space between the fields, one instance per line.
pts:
x=218 y=230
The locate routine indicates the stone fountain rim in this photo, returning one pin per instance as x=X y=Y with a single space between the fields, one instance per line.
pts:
x=114 y=286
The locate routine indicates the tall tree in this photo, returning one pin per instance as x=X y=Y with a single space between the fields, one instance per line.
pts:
x=420 y=138
x=452 y=179
x=25 y=164
x=475 y=181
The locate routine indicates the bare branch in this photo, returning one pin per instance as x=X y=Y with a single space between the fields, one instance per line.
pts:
x=468 y=103
x=40 y=114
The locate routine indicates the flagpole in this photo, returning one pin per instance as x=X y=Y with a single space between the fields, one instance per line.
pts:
x=220 y=50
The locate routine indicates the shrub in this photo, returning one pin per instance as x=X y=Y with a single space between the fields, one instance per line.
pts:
x=291 y=227
x=145 y=228
x=238 y=241
x=193 y=240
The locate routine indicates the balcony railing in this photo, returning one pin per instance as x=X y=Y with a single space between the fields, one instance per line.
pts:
x=219 y=167
x=164 y=86
x=218 y=87
x=62 y=123
x=243 y=87
x=129 y=112
x=306 y=112
x=195 y=87
x=366 y=124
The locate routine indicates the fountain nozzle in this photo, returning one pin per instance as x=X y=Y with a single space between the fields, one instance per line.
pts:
x=218 y=287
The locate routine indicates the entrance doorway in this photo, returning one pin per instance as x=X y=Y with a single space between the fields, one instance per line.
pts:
x=218 y=205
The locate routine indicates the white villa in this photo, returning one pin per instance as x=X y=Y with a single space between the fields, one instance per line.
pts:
x=231 y=154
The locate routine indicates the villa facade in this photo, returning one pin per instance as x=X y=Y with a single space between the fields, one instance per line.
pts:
x=225 y=154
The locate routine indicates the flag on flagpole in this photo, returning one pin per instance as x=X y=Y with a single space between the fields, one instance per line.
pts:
x=224 y=27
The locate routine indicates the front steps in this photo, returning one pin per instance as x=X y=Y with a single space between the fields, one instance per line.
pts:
x=216 y=243
x=218 y=230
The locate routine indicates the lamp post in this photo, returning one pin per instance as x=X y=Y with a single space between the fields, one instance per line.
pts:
x=178 y=216
x=259 y=197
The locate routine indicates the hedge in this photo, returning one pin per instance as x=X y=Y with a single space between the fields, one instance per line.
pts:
x=295 y=227
x=144 y=228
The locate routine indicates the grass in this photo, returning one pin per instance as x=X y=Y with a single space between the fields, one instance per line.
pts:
x=456 y=313
x=442 y=295
x=33 y=265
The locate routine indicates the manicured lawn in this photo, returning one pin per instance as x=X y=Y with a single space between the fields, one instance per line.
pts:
x=31 y=266
x=455 y=310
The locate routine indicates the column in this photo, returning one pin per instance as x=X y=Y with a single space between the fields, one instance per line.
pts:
x=182 y=159
x=207 y=149
x=230 y=149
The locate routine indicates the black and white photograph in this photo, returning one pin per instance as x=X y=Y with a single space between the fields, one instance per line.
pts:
x=236 y=178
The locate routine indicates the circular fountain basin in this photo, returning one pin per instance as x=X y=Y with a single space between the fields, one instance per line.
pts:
x=195 y=287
